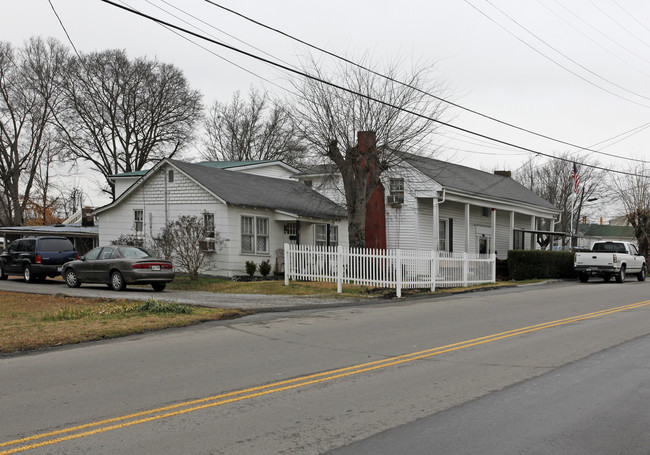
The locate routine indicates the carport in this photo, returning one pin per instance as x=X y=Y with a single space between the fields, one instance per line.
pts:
x=84 y=238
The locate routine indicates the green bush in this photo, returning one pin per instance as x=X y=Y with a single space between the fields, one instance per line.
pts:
x=250 y=268
x=155 y=306
x=265 y=267
x=534 y=264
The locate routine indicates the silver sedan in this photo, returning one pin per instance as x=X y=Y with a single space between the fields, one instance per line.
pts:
x=117 y=266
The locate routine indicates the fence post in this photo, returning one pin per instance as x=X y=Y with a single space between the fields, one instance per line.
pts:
x=339 y=269
x=433 y=270
x=465 y=268
x=494 y=267
x=287 y=266
x=398 y=260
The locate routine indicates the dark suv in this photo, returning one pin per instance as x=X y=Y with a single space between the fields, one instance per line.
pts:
x=36 y=257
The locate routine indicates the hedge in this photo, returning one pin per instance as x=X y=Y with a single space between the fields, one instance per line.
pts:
x=533 y=264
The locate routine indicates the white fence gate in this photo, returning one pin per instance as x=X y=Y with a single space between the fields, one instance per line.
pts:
x=397 y=269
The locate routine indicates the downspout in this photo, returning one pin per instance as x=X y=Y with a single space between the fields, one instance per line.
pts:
x=165 y=177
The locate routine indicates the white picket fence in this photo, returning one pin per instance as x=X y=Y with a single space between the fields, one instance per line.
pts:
x=399 y=269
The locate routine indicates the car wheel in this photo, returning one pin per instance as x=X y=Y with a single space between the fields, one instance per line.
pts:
x=584 y=277
x=640 y=276
x=3 y=275
x=620 y=276
x=27 y=274
x=117 y=281
x=71 y=279
x=158 y=286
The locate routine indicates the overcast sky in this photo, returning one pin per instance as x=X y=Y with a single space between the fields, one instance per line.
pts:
x=578 y=70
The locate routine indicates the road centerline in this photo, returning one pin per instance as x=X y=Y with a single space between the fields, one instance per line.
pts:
x=186 y=407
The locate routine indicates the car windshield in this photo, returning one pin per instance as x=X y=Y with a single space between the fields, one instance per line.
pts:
x=133 y=252
x=609 y=247
x=55 y=245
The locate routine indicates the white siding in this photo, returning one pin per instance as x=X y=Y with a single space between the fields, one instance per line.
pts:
x=122 y=184
x=185 y=197
x=274 y=170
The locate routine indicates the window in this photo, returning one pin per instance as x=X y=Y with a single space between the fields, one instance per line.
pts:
x=290 y=228
x=107 y=253
x=92 y=254
x=170 y=177
x=443 y=237
x=254 y=234
x=309 y=183
x=320 y=235
x=262 y=235
x=485 y=211
x=138 y=221
x=208 y=243
x=397 y=187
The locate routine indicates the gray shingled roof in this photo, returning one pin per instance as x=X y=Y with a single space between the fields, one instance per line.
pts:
x=473 y=181
x=238 y=188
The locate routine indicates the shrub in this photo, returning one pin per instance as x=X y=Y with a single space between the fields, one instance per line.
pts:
x=532 y=264
x=250 y=268
x=265 y=268
x=155 y=306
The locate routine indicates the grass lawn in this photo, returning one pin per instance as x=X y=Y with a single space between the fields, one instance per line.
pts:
x=29 y=321
x=270 y=287
x=277 y=287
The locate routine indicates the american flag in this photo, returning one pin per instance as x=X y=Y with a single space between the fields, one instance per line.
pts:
x=576 y=178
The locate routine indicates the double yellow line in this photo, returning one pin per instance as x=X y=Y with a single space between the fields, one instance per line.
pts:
x=102 y=426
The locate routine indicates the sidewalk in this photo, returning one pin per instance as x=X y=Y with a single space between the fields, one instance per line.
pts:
x=257 y=303
x=254 y=302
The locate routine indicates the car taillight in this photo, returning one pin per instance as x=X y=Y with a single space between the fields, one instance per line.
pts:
x=149 y=265
x=38 y=259
x=77 y=256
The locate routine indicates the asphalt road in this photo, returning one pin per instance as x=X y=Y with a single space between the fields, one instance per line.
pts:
x=595 y=406
x=312 y=381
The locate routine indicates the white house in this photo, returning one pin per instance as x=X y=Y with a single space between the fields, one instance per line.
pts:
x=433 y=204
x=257 y=214
x=268 y=168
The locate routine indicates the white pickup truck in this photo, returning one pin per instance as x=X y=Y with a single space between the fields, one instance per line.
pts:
x=610 y=259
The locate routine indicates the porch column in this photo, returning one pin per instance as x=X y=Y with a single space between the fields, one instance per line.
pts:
x=533 y=226
x=493 y=243
x=436 y=224
x=511 y=232
x=416 y=213
x=467 y=233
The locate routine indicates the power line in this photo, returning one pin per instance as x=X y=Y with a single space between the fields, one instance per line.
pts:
x=64 y=29
x=618 y=23
x=577 y=16
x=451 y=103
x=562 y=54
x=353 y=92
x=612 y=53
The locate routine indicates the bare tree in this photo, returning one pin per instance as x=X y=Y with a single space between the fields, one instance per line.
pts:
x=329 y=119
x=253 y=129
x=634 y=191
x=29 y=99
x=552 y=180
x=183 y=241
x=123 y=114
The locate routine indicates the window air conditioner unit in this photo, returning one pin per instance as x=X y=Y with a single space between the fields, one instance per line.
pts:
x=395 y=199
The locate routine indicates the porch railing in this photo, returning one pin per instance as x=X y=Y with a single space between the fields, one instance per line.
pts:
x=399 y=269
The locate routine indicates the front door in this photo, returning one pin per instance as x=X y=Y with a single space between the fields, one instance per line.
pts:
x=484 y=244
x=483 y=240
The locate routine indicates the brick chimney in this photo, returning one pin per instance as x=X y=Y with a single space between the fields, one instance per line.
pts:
x=376 y=205
x=503 y=173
